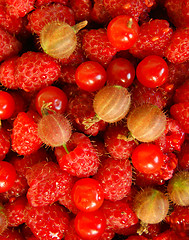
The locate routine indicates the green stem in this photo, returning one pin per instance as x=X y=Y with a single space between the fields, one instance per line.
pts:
x=65 y=147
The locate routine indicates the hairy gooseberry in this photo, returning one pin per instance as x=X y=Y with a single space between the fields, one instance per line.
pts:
x=54 y=129
x=58 y=39
x=146 y=122
x=150 y=205
x=112 y=103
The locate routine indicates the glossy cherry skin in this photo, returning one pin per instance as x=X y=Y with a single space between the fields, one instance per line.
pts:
x=122 y=32
x=90 y=76
x=87 y=194
x=147 y=158
x=7 y=105
x=121 y=72
x=90 y=225
x=7 y=176
x=53 y=95
x=152 y=71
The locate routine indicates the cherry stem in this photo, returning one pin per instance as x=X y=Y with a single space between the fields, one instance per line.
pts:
x=65 y=147
x=130 y=23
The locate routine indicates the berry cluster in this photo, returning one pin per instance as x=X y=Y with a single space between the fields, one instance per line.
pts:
x=94 y=119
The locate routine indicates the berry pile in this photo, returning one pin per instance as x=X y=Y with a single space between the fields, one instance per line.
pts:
x=94 y=119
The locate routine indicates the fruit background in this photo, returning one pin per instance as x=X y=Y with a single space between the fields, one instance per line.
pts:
x=94 y=119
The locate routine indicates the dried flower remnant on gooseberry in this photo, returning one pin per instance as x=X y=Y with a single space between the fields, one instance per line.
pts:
x=178 y=188
x=151 y=206
x=112 y=103
x=54 y=130
x=146 y=122
x=59 y=40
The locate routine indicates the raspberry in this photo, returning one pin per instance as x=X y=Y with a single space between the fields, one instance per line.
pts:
x=133 y=8
x=180 y=112
x=153 y=39
x=117 y=142
x=97 y=47
x=18 y=8
x=47 y=183
x=35 y=70
x=47 y=222
x=82 y=9
x=24 y=136
x=183 y=156
x=4 y=143
x=9 y=45
x=39 y=3
x=182 y=93
x=115 y=178
x=67 y=74
x=82 y=159
x=167 y=235
x=11 y=233
x=99 y=13
x=3 y=219
x=178 y=49
x=45 y=14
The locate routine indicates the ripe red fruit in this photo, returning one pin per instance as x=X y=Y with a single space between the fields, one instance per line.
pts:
x=147 y=158
x=90 y=225
x=122 y=32
x=152 y=71
x=87 y=194
x=90 y=76
x=7 y=105
x=54 y=99
x=7 y=176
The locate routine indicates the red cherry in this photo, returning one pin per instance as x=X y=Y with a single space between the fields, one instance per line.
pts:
x=53 y=95
x=7 y=105
x=87 y=194
x=90 y=225
x=121 y=72
x=90 y=76
x=147 y=158
x=7 y=176
x=152 y=71
x=122 y=32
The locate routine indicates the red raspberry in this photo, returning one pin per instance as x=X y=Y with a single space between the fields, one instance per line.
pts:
x=118 y=214
x=4 y=143
x=24 y=136
x=16 y=211
x=142 y=95
x=19 y=8
x=7 y=73
x=53 y=12
x=82 y=159
x=10 y=23
x=11 y=234
x=182 y=93
x=183 y=156
x=81 y=113
x=180 y=112
x=47 y=183
x=99 y=13
x=153 y=39
x=47 y=222
x=133 y=8
x=172 y=138
x=35 y=70
x=167 y=235
x=67 y=74
x=176 y=12
x=81 y=8
x=97 y=47
x=39 y=3
x=9 y=45
x=178 y=49
x=117 y=142
x=179 y=220
x=115 y=178
x=137 y=237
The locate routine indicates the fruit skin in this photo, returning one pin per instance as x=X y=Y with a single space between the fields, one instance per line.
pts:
x=180 y=112
x=7 y=105
x=153 y=39
x=5 y=143
x=97 y=47
x=3 y=219
x=47 y=222
x=178 y=49
x=115 y=177
x=24 y=136
x=9 y=46
x=82 y=159
x=38 y=18
x=182 y=93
